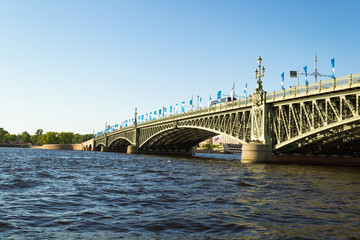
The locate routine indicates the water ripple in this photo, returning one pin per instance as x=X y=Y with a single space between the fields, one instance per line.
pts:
x=90 y=195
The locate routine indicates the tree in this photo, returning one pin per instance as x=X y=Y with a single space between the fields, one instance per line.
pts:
x=10 y=138
x=25 y=137
x=87 y=137
x=41 y=140
x=51 y=138
x=34 y=140
x=77 y=138
x=39 y=132
x=66 y=137
x=2 y=135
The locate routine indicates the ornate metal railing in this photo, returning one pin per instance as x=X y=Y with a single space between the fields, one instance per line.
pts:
x=315 y=88
x=289 y=93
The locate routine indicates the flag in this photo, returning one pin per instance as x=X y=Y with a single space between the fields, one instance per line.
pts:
x=183 y=107
x=170 y=109
x=191 y=102
x=217 y=138
x=176 y=108
x=219 y=95
x=282 y=81
x=210 y=97
x=333 y=67
x=245 y=90
x=232 y=93
x=306 y=81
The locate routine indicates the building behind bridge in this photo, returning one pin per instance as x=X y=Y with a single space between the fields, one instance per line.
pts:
x=226 y=144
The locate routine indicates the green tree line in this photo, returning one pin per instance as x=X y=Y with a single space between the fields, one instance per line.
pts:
x=41 y=138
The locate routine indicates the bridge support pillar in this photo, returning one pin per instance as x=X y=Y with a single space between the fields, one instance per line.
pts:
x=256 y=152
x=104 y=149
x=132 y=149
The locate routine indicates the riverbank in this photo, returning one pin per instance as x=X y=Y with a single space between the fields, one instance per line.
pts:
x=207 y=151
x=8 y=145
x=276 y=159
x=76 y=147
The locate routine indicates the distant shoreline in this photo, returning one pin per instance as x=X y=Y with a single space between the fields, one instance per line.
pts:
x=14 y=145
x=277 y=159
x=45 y=146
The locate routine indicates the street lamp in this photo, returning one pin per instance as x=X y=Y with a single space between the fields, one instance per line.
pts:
x=259 y=73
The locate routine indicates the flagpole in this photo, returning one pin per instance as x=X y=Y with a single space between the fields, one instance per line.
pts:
x=298 y=78
x=315 y=68
x=192 y=102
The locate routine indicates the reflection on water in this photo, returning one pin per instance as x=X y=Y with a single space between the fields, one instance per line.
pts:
x=91 y=195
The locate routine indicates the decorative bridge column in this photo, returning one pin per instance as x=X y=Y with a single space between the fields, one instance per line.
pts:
x=105 y=148
x=260 y=148
x=134 y=148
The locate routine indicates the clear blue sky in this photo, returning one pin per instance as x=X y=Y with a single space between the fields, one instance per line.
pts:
x=74 y=65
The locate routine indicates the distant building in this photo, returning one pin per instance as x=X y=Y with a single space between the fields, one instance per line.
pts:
x=221 y=139
x=226 y=144
x=207 y=141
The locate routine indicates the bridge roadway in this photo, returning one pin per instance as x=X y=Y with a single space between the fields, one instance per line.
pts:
x=319 y=119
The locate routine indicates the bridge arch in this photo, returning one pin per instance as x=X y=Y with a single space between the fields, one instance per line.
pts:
x=119 y=144
x=339 y=138
x=87 y=147
x=98 y=146
x=181 y=138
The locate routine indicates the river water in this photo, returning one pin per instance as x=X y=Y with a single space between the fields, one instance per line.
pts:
x=47 y=194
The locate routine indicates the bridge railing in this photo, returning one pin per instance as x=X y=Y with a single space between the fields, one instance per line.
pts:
x=315 y=88
x=202 y=111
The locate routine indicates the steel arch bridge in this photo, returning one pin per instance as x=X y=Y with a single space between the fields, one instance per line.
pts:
x=321 y=118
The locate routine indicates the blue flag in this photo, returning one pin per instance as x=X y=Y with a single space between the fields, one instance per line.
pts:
x=183 y=107
x=333 y=67
x=219 y=95
x=191 y=102
x=282 y=81
x=306 y=81
x=245 y=90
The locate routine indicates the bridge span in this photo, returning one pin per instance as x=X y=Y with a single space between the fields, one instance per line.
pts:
x=319 y=119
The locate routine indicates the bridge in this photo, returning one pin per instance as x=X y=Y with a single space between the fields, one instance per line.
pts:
x=319 y=119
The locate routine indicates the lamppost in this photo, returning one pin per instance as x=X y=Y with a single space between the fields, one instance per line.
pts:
x=258 y=74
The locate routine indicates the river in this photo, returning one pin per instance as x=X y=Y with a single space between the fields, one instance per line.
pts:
x=49 y=194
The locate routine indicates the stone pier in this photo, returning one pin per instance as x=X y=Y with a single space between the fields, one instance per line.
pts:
x=256 y=153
